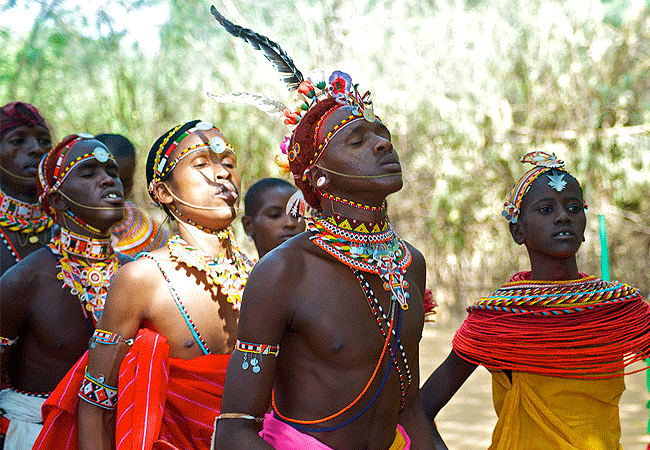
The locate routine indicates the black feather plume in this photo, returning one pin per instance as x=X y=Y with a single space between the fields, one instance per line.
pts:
x=272 y=51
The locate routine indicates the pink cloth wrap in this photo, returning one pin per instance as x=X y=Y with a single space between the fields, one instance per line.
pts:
x=283 y=436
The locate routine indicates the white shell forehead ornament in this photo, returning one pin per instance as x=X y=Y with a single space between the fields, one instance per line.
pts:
x=101 y=154
x=217 y=145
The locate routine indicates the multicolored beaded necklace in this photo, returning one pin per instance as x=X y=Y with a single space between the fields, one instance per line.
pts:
x=87 y=280
x=137 y=232
x=521 y=295
x=370 y=247
x=230 y=274
x=25 y=218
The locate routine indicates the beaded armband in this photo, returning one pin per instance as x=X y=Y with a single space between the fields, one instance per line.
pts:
x=95 y=392
x=6 y=342
x=107 y=338
x=256 y=351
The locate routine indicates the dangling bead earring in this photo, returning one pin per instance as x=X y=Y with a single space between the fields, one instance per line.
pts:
x=320 y=182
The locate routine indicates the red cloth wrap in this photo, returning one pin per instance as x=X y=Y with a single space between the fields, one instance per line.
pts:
x=597 y=341
x=163 y=403
x=19 y=114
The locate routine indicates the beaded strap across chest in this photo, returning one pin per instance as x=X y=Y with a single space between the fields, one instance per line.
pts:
x=188 y=320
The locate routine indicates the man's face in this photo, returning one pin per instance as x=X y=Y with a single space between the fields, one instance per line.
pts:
x=208 y=183
x=126 y=165
x=94 y=186
x=363 y=150
x=553 y=222
x=21 y=149
x=272 y=226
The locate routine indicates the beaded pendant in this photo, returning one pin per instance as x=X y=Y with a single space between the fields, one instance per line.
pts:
x=372 y=248
x=230 y=274
x=88 y=281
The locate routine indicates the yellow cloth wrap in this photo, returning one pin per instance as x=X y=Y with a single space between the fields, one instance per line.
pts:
x=399 y=443
x=538 y=412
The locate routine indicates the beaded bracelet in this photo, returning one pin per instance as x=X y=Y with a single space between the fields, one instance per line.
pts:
x=237 y=416
x=107 y=338
x=95 y=392
x=6 y=342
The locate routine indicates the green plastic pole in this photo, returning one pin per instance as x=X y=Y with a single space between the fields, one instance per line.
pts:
x=604 y=254
x=647 y=380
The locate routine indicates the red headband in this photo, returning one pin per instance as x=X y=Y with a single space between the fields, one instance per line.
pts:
x=18 y=114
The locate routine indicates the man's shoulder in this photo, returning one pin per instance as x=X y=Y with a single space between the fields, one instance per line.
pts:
x=141 y=269
x=37 y=263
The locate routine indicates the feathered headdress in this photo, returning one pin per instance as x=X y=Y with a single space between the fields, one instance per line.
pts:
x=320 y=94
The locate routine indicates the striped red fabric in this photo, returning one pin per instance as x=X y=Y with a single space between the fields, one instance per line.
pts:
x=163 y=403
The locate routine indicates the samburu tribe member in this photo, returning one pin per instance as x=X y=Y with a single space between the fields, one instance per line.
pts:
x=555 y=340
x=171 y=316
x=265 y=218
x=344 y=301
x=24 y=139
x=51 y=300
x=137 y=232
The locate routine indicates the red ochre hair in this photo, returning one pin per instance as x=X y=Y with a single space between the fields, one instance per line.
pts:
x=304 y=144
x=46 y=174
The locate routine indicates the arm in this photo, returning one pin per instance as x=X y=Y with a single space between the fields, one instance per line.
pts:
x=124 y=309
x=442 y=385
x=13 y=310
x=263 y=319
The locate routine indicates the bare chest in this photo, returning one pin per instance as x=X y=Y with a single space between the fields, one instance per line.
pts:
x=350 y=322
x=191 y=313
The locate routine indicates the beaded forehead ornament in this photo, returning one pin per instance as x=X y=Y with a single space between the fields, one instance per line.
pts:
x=52 y=173
x=543 y=162
x=161 y=168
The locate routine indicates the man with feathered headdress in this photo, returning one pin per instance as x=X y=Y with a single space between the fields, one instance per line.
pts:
x=344 y=299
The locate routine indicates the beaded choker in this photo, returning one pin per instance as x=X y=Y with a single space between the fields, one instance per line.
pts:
x=230 y=274
x=23 y=217
x=369 y=247
x=88 y=281
x=345 y=201
x=219 y=233
x=85 y=247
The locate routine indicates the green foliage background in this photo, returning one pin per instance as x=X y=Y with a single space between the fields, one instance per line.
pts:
x=466 y=87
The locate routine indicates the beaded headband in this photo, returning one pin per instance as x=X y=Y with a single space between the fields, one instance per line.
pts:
x=543 y=163
x=161 y=168
x=60 y=172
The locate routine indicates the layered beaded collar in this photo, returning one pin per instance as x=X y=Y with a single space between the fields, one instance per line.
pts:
x=87 y=279
x=85 y=247
x=23 y=217
x=228 y=274
x=369 y=247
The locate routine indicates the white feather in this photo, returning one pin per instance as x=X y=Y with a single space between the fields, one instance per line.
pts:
x=260 y=101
